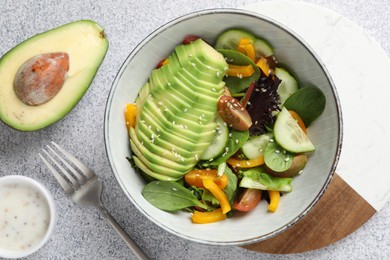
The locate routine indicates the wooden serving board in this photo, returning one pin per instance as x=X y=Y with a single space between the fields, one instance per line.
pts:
x=353 y=196
x=339 y=212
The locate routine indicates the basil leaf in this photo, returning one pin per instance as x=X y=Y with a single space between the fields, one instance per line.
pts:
x=170 y=196
x=236 y=84
x=276 y=158
x=309 y=102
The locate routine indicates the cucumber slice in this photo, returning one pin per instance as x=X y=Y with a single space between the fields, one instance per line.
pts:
x=255 y=146
x=288 y=86
x=289 y=135
x=229 y=39
x=262 y=48
x=219 y=142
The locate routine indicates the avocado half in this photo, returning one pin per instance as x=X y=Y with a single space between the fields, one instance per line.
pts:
x=86 y=44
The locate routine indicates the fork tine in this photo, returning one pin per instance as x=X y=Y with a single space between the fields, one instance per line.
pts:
x=62 y=169
x=84 y=169
x=65 y=185
x=73 y=170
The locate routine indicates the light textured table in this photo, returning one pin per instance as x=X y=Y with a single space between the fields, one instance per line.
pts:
x=81 y=233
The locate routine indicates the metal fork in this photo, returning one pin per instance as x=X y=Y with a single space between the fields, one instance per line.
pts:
x=84 y=187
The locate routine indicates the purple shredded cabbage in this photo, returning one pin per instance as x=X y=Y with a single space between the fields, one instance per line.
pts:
x=263 y=101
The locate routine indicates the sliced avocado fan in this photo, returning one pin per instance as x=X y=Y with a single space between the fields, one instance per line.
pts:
x=176 y=111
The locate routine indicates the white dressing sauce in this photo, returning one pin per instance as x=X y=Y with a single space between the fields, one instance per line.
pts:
x=24 y=216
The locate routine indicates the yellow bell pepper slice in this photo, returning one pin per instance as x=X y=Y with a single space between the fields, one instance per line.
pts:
x=240 y=71
x=208 y=217
x=130 y=115
x=246 y=47
x=246 y=163
x=274 y=197
x=218 y=194
x=263 y=65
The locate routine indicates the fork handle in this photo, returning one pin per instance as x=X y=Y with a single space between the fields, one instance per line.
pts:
x=131 y=244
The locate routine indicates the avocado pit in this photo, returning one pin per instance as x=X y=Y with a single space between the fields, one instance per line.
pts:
x=41 y=77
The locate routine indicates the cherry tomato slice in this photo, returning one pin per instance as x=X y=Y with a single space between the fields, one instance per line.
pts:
x=195 y=178
x=234 y=113
x=247 y=199
x=189 y=38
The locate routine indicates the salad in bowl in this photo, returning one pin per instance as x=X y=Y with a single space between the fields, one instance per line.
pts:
x=223 y=127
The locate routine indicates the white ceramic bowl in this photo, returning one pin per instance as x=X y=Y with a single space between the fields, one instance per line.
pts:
x=38 y=207
x=325 y=132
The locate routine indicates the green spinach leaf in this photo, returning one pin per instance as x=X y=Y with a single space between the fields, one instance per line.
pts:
x=309 y=102
x=276 y=158
x=170 y=196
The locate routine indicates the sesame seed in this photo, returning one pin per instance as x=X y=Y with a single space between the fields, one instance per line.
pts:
x=213 y=89
x=160 y=103
x=174 y=189
x=193 y=64
x=256 y=122
x=287 y=159
x=257 y=89
x=236 y=141
x=277 y=151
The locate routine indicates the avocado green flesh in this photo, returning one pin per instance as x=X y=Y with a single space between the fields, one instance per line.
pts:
x=85 y=43
x=181 y=125
x=159 y=143
x=164 y=77
x=174 y=91
x=180 y=128
x=171 y=143
x=177 y=107
x=169 y=171
x=151 y=173
x=151 y=157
